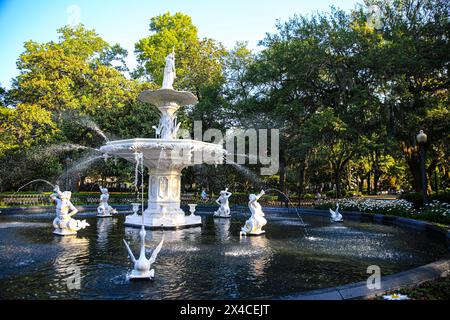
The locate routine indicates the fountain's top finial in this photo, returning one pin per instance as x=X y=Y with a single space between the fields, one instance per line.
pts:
x=169 y=71
x=167 y=97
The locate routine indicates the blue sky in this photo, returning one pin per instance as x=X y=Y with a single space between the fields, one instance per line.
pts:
x=126 y=21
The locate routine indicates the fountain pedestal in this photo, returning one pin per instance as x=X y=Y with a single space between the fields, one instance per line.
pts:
x=164 y=211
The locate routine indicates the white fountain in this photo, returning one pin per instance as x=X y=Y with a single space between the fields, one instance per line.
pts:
x=104 y=210
x=166 y=156
x=64 y=224
x=253 y=226
x=222 y=201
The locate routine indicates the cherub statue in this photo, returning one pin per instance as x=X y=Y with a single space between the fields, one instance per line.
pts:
x=63 y=223
x=254 y=224
x=169 y=71
x=104 y=209
x=222 y=201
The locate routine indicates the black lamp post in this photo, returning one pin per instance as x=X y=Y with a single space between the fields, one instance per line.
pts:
x=422 y=140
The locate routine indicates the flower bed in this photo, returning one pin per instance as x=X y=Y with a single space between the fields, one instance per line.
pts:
x=435 y=211
x=438 y=289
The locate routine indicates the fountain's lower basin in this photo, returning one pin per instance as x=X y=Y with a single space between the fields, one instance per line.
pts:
x=165 y=159
x=208 y=262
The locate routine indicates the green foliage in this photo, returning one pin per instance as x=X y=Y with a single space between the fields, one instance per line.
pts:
x=198 y=61
x=24 y=127
x=417 y=197
x=72 y=74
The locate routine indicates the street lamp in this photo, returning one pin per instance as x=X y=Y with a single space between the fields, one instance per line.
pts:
x=422 y=140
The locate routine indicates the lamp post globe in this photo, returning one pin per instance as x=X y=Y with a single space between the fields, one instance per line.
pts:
x=421 y=137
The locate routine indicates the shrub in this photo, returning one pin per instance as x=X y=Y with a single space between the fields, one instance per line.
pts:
x=417 y=198
x=442 y=196
x=330 y=193
x=413 y=197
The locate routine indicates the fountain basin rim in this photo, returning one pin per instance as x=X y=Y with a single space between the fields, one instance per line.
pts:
x=359 y=290
x=164 y=97
x=154 y=143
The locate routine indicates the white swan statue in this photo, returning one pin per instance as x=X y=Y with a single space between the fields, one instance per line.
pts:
x=336 y=216
x=142 y=266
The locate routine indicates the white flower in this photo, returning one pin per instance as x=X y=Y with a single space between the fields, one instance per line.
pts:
x=396 y=296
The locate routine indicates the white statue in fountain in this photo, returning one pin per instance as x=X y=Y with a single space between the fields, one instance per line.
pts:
x=142 y=266
x=63 y=223
x=257 y=221
x=169 y=71
x=336 y=216
x=104 y=210
x=222 y=201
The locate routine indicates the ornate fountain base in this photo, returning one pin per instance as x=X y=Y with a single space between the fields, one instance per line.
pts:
x=172 y=221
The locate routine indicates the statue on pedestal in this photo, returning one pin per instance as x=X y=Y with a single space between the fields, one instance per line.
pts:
x=104 y=209
x=169 y=72
x=224 y=209
x=63 y=223
x=257 y=221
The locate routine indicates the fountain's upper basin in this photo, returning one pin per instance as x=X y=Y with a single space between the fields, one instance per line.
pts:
x=156 y=152
x=163 y=97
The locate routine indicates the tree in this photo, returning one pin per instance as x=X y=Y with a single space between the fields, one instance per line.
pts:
x=79 y=81
x=198 y=61
x=21 y=130
x=411 y=67
x=72 y=74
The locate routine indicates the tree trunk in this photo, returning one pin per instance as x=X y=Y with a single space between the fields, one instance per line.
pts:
x=337 y=179
x=412 y=158
x=301 y=178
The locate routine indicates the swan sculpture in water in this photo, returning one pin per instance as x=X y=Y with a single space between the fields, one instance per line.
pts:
x=142 y=265
x=336 y=216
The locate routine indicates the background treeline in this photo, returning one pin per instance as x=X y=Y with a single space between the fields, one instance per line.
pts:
x=349 y=91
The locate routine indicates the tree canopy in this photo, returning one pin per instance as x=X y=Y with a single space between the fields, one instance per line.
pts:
x=348 y=91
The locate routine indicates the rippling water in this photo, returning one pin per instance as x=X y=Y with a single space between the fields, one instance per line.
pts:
x=208 y=262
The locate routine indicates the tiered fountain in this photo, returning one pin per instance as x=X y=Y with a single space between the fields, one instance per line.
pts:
x=166 y=156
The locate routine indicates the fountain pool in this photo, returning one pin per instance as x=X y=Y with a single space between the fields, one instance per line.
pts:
x=207 y=262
